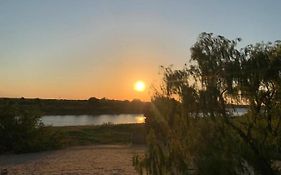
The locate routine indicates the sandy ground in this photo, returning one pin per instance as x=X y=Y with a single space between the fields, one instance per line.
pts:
x=98 y=160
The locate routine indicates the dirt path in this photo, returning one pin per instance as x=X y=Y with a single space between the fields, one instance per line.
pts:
x=96 y=160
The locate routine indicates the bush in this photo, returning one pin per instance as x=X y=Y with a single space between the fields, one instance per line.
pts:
x=22 y=131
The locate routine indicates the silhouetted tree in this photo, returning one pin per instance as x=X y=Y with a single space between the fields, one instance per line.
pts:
x=190 y=125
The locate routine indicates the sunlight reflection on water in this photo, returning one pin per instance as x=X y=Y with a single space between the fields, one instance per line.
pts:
x=78 y=120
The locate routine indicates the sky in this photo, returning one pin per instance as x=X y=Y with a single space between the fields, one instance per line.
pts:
x=71 y=49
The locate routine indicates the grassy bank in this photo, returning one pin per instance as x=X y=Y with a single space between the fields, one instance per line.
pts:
x=102 y=134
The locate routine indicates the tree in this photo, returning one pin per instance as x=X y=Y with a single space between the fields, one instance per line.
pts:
x=198 y=130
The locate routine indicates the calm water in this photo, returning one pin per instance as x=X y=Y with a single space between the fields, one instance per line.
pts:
x=75 y=120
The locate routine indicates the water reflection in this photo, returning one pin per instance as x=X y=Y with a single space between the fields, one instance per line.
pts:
x=78 y=120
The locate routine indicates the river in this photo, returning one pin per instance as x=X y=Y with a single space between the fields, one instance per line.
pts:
x=79 y=120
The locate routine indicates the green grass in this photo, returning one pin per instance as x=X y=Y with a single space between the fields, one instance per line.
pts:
x=103 y=134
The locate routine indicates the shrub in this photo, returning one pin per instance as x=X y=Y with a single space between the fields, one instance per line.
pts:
x=22 y=131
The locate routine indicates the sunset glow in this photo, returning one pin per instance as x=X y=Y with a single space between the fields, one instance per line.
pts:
x=49 y=52
x=139 y=86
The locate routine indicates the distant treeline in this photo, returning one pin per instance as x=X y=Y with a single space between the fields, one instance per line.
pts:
x=71 y=107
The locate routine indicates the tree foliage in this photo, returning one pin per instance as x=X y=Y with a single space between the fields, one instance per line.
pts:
x=191 y=127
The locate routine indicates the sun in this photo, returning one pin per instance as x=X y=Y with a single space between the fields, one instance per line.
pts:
x=139 y=86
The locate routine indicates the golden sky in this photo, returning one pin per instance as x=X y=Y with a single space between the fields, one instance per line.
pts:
x=79 y=49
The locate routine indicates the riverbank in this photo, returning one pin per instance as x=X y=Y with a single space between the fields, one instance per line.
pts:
x=102 y=134
x=102 y=149
x=82 y=160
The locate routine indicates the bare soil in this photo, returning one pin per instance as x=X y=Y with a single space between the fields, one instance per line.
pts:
x=94 y=160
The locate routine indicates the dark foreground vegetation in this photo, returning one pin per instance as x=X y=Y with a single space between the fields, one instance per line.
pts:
x=189 y=128
x=78 y=107
x=21 y=131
